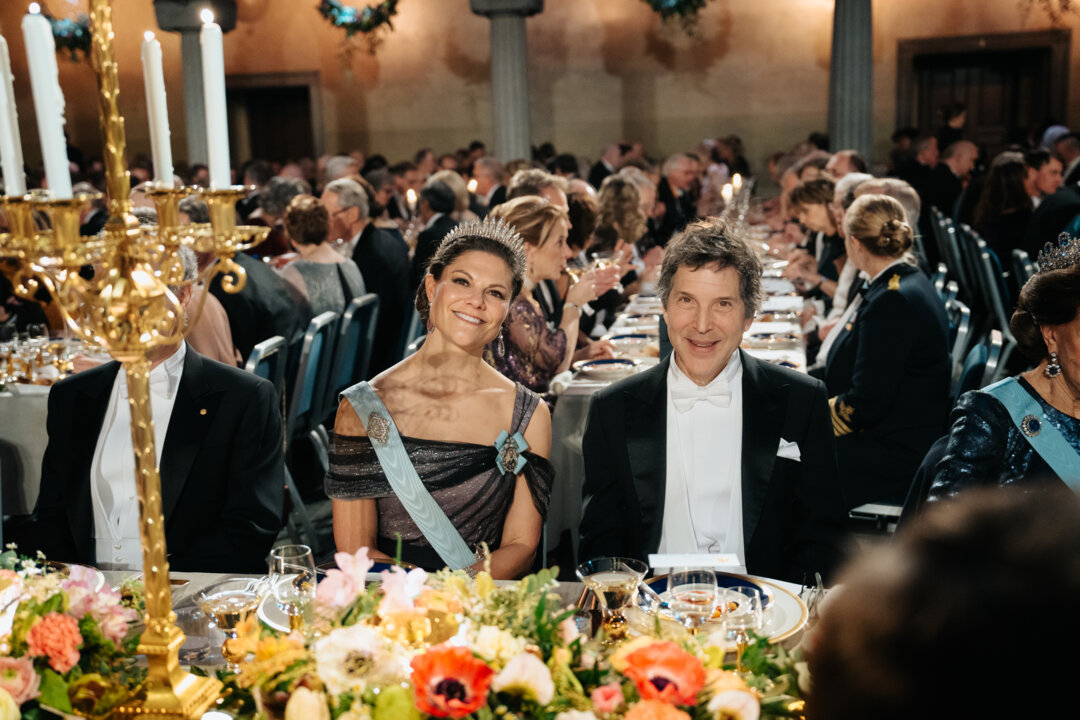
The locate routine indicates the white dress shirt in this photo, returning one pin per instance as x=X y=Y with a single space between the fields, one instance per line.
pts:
x=703 y=491
x=112 y=471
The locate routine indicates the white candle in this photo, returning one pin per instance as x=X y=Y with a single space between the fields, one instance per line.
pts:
x=217 y=126
x=11 y=159
x=736 y=182
x=410 y=199
x=727 y=192
x=472 y=186
x=157 y=110
x=48 y=102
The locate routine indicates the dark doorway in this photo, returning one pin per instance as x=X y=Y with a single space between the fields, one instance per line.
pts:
x=274 y=116
x=1009 y=83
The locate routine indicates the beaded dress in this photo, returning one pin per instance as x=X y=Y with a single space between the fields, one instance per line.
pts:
x=463 y=478
x=532 y=350
x=985 y=448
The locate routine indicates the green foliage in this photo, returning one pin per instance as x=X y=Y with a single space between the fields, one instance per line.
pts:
x=367 y=20
x=54 y=691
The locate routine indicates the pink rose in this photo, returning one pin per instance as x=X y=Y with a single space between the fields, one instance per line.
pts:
x=568 y=630
x=17 y=676
x=607 y=698
x=343 y=584
x=56 y=637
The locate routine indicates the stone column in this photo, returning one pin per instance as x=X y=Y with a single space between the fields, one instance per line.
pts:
x=509 y=74
x=194 y=102
x=851 y=78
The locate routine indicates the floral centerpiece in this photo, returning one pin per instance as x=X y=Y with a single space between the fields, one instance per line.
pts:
x=65 y=643
x=446 y=645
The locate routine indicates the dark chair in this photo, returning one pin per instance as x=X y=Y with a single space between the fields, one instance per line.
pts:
x=980 y=366
x=959 y=316
x=1023 y=266
x=268 y=360
x=416 y=329
x=938 y=279
x=415 y=345
x=352 y=350
x=312 y=373
x=997 y=294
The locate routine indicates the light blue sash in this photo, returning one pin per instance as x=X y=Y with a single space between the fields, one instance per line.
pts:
x=1046 y=439
x=399 y=471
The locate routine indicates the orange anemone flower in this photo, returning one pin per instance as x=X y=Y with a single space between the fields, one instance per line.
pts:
x=450 y=682
x=664 y=671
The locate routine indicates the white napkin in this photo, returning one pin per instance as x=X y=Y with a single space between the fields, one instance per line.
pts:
x=560 y=382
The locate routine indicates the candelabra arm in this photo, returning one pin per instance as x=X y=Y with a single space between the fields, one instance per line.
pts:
x=103 y=59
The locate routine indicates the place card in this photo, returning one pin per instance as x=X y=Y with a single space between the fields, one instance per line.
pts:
x=695 y=560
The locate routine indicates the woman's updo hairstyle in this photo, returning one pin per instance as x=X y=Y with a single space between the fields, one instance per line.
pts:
x=491 y=236
x=879 y=223
x=532 y=216
x=307 y=220
x=1050 y=297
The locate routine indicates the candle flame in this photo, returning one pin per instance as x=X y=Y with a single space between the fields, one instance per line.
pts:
x=207 y=15
x=35 y=8
x=411 y=195
x=472 y=185
x=148 y=36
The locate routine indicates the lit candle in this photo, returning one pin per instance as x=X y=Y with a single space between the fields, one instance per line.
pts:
x=217 y=126
x=736 y=182
x=410 y=198
x=48 y=101
x=472 y=186
x=11 y=159
x=157 y=111
x=727 y=192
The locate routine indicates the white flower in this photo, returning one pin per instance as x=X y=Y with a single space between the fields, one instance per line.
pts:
x=305 y=704
x=8 y=709
x=495 y=645
x=575 y=715
x=352 y=657
x=526 y=675
x=735 y=705
x=400 y=588
x=802 y=668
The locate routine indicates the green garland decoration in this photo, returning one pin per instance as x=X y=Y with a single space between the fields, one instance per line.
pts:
x=368 y=20
x=684 y=10
x=71 y=35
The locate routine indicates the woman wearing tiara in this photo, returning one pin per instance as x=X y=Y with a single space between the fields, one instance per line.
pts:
x=887 y=372
x=1025 y=430
x=441 y=451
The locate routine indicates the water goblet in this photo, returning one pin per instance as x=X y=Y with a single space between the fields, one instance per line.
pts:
x=292 y=580
x=693 y=597
x=614 y=582
x=227 y=604
x=744 y=614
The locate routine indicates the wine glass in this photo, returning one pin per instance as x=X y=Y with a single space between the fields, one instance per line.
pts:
x=614 y=582
x=292 y=580
x=744 y=615
x=693 y=597
x=605 y=259
x=227 y=604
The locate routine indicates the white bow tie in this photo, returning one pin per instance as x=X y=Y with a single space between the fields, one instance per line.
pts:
x=685 y=396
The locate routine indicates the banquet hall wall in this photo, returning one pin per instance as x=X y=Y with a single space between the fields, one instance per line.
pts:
x=599 y=69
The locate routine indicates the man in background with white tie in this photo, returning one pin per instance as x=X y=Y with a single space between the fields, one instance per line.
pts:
x=713 y=451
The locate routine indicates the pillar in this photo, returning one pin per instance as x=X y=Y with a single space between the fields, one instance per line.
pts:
x=851 y=75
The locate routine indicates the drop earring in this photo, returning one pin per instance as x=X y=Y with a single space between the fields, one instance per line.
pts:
x=1053 y=368
x=500 y=346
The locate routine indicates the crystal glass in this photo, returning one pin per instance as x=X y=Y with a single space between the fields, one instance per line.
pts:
x=693 y=597
x=292 y=581
x=613 y=581
x=744 y=615
x=227 y=604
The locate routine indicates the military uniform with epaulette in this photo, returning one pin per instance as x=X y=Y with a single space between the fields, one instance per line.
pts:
x=887 y=377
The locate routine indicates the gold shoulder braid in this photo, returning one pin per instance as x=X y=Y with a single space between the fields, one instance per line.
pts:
x=894 y=282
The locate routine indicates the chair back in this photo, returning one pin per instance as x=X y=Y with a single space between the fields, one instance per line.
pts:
x=945 y=235
x=267 y=360
x=980 y=365
x=959 y=316
x=951 y=290
x=352 y=350
x=312 y=372
x=997 y=293
x=415 y=330
x=995 y=360
x=415 y=345
x=1023 y=266
x=938 y=279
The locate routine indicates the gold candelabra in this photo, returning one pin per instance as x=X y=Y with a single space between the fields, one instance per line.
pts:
x=127 y=305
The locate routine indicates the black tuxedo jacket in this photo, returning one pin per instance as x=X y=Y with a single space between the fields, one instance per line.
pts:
x=675 y=215
x=792 y=514
x=597 y=173
x=427 y=242
x=222 y=468
x=383 y=260
x=1052 y=216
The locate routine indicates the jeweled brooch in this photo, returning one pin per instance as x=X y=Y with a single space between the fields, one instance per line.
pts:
x=378 y=427
x=510 y=458
x=1031 y=425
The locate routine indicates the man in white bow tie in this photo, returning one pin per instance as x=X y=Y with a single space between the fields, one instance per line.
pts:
x=713 y=451
x=217 y=435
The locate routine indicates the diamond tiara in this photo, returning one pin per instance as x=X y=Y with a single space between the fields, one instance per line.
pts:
x=497 y=230
x=1065 y=253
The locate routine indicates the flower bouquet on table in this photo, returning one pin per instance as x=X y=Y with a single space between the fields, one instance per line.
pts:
x=65 y=644
x=421 y=645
